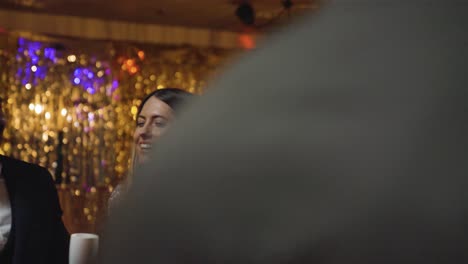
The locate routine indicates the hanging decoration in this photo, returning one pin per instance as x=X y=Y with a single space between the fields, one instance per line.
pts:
x=71 y=109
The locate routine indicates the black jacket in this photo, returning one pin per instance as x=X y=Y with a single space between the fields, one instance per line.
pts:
x=38 y=234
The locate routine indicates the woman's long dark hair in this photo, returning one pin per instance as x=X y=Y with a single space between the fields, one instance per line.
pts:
x=173 y=97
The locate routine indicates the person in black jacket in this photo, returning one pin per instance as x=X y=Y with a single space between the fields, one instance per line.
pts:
x=31 y=227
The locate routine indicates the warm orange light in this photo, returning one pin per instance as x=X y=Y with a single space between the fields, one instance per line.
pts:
x=141 y=55
x=246 y=41
x=133 y=70
x=130 y=63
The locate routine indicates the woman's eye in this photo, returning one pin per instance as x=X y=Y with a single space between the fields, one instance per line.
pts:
x=160 y=123
x=140 y=124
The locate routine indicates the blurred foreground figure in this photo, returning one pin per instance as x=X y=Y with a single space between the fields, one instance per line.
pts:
x=344 y=140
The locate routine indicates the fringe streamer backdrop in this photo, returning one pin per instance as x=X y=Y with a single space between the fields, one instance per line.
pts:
x=71 y=105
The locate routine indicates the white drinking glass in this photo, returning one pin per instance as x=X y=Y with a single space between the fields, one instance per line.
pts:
x=83 y=248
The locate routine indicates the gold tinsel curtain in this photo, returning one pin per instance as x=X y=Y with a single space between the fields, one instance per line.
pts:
x=70 y=106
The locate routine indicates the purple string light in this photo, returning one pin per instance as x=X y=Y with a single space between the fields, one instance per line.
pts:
x=30 y=52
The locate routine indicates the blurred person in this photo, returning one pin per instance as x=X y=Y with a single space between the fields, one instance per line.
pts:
x=154 y=116
x=31 y=227
x=343 y=140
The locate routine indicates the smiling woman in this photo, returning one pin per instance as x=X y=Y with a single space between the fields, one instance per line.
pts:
x=152 y=122
x=155 y=113
x=153 y=118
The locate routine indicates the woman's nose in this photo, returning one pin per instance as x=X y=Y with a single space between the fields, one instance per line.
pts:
x=146 y=131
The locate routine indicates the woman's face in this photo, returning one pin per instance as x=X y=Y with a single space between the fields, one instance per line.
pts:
x=152 y=122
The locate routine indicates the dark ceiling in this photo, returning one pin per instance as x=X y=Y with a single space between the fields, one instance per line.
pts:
x=213 y=14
